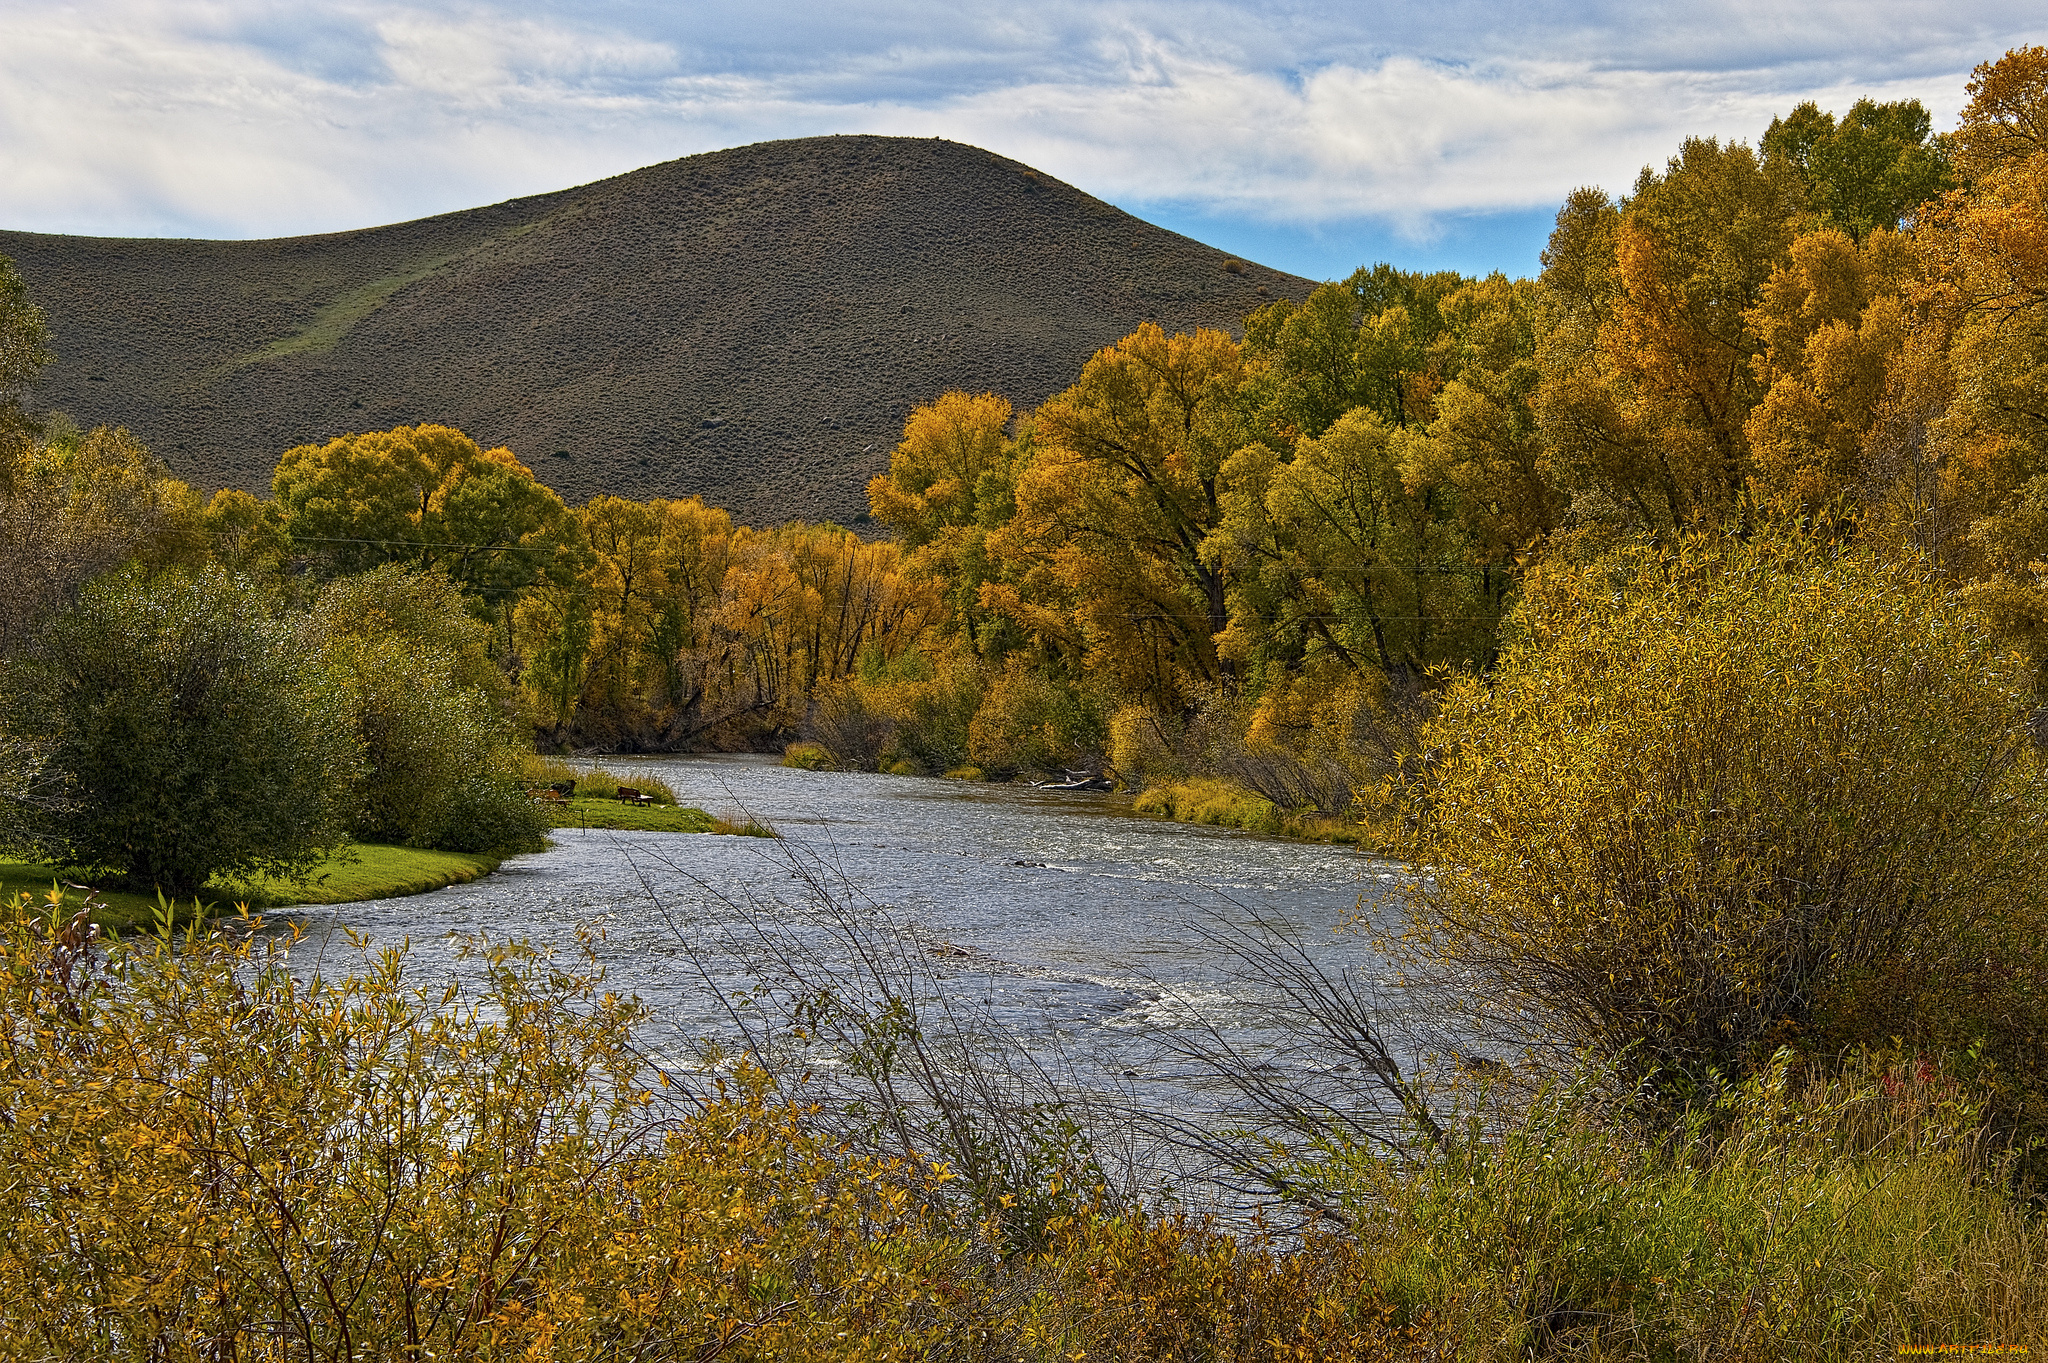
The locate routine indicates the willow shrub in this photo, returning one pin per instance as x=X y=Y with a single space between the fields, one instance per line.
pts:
x=209 y=1154
x=1723 y=798
x=187 y=737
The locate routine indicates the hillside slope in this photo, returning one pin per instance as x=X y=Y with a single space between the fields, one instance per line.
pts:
x=749 y=325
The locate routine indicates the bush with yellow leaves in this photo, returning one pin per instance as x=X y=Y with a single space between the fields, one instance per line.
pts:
x=210 y=1155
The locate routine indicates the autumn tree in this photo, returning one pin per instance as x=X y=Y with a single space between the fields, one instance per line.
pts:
x=951 y=482
x=76 y=503
x=1113 y=509
x=1987 y=297
x=1651 y=378
x=935 y=478
x=2006 y=122
x=1832 y=319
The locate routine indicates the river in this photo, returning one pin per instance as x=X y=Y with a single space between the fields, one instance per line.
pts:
x=1081 y=930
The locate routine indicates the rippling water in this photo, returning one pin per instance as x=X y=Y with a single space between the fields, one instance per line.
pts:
x=1070 y=921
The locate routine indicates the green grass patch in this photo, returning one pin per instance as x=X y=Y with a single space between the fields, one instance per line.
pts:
x=584 y=812
x=370 y=871
x=339 y=315
x=123 y=911
x=364 y=871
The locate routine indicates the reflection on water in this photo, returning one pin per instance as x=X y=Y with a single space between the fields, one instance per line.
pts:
x=1064 y=916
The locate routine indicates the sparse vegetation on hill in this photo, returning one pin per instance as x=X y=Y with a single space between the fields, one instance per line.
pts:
x=747 y=326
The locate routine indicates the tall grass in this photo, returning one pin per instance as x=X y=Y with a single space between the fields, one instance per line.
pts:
x=1847 y=1216
x=596 y=783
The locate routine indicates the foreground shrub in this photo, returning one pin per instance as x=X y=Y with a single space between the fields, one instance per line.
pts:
x=240 y=1161
x=1795 y=1217
x=1138 y=1288
x=208 y=1155
x=1719 y=799
x=187 y=738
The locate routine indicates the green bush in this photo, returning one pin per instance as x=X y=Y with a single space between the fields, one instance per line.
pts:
x=1031 y=722
x=186 y=737
x=429 y=706
x=487 y=811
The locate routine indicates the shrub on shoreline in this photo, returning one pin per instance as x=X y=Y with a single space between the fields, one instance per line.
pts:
x=1730 y=796
x=187 y=737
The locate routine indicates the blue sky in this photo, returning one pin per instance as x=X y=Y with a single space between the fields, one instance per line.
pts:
x=1313 y=137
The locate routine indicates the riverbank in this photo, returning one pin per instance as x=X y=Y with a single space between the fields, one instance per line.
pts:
x=362 y=871
x=1217 y=803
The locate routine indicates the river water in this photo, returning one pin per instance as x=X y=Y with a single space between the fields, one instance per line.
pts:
x=1082 y=931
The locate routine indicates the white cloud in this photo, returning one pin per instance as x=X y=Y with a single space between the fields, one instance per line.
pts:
x=244 y=117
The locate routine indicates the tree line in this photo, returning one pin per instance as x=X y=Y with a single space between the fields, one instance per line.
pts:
x=1259 y=554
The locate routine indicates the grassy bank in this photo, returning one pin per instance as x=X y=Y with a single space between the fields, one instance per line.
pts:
x=582 y=812
x=372 y=871
x=1220 y=804
x=364 y=871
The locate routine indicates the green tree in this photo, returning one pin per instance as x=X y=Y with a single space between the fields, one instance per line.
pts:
x=1378 y=340
x=24 y=350
x=1871 y=169
x=1342 y=551
x=425 y=495
x=190 y=738
x=431 y=715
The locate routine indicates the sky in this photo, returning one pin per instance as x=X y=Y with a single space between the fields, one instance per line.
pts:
x=1313 y=137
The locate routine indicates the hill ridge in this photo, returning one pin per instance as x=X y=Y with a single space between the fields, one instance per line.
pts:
x=749 y=325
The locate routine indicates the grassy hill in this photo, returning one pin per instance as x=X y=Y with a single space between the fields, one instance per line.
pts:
x=749 y=325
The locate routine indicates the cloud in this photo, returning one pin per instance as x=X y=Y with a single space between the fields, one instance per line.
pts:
x=247 y=117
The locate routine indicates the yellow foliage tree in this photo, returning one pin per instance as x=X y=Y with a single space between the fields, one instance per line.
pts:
x=1112 y=512
x=1649 y=387
x=1720 y=798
